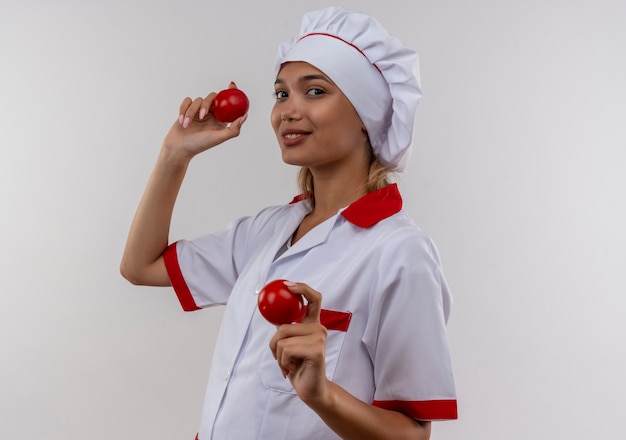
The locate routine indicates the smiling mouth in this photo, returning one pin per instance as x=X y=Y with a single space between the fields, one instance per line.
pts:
x=294 y=135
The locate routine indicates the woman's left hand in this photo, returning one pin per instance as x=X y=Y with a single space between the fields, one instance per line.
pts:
x=300 y=348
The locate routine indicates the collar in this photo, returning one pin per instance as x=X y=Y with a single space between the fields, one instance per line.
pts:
x=372 y=207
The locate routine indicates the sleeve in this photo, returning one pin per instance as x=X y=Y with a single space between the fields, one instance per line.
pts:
x=203 y=271
x=407 y=334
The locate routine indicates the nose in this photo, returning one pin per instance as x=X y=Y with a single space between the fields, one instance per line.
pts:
x=290 y=113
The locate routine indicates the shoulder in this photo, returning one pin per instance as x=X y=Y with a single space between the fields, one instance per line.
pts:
x=409 y=267
x=267 y=222
x=403 y=243
x=270 y=214
x=400 y=228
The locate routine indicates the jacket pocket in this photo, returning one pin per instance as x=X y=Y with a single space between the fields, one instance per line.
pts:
x=337 y=324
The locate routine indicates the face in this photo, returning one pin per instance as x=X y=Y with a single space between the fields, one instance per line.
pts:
x=315 y=124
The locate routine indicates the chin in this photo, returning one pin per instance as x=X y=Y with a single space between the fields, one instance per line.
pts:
x=291 y=159
x=294 y=163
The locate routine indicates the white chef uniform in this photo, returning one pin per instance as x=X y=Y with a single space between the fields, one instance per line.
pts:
x=385 y=303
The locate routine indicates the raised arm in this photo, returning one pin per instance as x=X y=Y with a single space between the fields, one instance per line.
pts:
x=195 y=131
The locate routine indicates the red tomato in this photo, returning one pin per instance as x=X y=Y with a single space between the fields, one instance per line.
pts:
x=278 y=305
x=230 y=104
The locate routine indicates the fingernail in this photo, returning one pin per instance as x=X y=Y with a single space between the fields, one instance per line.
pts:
x=202 y=113
x=186 y=122
x=181 y=118
x=289 y=283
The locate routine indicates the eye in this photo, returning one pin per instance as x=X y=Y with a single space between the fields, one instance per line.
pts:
x=314 y=91
x=280 y=94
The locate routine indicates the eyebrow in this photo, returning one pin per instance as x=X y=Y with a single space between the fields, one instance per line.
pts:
x=306 y=78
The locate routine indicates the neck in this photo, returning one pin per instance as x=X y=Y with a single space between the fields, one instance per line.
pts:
x=334 y=191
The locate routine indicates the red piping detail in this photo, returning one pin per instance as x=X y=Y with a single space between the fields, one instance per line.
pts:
x=341 y=39
x=422 y=409
x=334 y=320
x=170 y=256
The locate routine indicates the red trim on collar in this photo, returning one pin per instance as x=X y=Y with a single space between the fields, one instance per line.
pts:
x=372 y=207
x=297 y=199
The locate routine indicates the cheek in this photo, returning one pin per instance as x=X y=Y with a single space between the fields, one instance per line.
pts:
x=275 y=119
x=345 y=125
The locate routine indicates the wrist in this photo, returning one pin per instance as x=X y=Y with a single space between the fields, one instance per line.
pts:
x=175 y=158
x=325 y=401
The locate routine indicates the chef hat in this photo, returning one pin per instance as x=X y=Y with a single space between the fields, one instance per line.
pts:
x=373 y=69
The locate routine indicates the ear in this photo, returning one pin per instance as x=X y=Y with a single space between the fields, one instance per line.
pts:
x=364 y=131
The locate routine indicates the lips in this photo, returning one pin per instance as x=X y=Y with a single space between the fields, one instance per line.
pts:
x=293 y=136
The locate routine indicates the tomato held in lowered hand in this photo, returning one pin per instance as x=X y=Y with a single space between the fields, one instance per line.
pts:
x=230 y=104
x=279 y=305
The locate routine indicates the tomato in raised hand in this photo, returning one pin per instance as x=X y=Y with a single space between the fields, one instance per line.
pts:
x=279 y=305
x=230 y=104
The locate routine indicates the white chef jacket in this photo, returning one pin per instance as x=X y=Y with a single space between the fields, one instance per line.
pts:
x=385 y=303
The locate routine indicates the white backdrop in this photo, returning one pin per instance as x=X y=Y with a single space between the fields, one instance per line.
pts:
x=518 y=174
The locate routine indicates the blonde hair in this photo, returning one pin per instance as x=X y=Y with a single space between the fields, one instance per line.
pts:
x=377 y=178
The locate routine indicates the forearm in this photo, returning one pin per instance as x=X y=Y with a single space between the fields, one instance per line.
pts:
x=149 y=231
x=353 y=419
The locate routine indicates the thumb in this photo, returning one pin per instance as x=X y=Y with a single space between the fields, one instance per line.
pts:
x=313 y=297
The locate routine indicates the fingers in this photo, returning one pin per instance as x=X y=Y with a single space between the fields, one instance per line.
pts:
x=313 y=297
x=183 y=109
x=235 y=126
x=199 y=108
x=294 y=344
x=196 y=109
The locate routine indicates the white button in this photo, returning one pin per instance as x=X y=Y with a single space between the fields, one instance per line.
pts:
x=227 y=374
x=258 y=289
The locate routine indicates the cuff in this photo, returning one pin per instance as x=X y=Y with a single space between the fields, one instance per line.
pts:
x=170 y=256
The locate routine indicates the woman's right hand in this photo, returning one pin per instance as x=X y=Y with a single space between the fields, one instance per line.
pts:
x=197 y=129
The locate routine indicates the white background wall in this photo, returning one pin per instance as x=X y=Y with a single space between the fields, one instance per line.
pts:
x=518 y=174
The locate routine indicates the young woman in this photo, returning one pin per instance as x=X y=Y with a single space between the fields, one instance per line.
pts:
x=370 y=357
